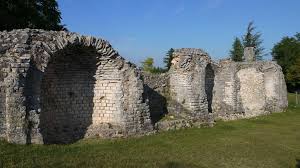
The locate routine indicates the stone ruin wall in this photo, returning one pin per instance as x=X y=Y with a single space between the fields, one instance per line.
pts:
x=184 y=92
x=2 y=105
x=59 y=87
x=248 y=89
x=226 y=90
x=157 y=94
x=191 y=83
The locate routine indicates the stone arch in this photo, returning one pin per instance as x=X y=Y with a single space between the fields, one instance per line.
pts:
x=61 y=87
x=67 y=95
x=66 y=72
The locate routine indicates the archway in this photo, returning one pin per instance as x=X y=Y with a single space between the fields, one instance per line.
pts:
x=67 y=92
x=67 y=87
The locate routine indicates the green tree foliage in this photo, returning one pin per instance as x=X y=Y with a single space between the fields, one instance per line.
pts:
x=237 y=51
x=38 y=14
x=287 y=55
x=293 y=74
x=253 y=39
x=157 y=70
x=168 y=59
x=148 y=66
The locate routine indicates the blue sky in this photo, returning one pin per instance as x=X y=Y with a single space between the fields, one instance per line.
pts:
x=143 y=28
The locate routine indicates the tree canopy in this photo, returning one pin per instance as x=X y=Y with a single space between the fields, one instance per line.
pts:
x=237 y=51
x=148 y=66
x=38 y=14
x=253 y=39
x=168 y=58
x=287 y=54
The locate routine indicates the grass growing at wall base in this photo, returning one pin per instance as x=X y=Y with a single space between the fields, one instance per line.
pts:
x=267 y=141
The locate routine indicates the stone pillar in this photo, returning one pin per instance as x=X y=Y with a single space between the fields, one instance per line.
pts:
x=249 y=54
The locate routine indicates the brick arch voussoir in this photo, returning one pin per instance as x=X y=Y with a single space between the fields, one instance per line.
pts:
x=63 y=40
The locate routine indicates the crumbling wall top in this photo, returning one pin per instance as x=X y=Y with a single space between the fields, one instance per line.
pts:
x=187 y=59
x=24 y=45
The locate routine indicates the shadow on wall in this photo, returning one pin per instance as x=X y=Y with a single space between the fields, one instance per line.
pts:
x=32 y=94
x=209 y=85
x=157 y=104
x=66 y=94
x=2 y=105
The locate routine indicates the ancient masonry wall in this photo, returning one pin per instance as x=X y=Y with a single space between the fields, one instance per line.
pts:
x=185 y=92
x=61 y=87
x=199 y=87
x=224 y=97
x=2 y=104
x=157 y=92
x=187 y=81
x=248 y=89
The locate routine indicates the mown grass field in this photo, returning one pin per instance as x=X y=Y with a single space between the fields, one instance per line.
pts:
x=268 y=141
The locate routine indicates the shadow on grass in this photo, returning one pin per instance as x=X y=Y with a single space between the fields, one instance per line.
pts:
x=297 y=163
x=174 y=164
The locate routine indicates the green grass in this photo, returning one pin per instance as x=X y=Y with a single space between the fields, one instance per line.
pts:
x=267 y=141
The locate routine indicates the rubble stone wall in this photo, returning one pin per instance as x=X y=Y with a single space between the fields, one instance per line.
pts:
x=157 y=92
x=187 y=80
x=199 y=87
x=184 y=92
x=225 y=92
x=248 y=89
x=61 y=87
x=2 y=108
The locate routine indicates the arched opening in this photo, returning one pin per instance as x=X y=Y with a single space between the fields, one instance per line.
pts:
x=67 y=92
x=209 y=85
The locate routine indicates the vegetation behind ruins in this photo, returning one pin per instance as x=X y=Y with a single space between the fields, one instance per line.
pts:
x=267 y=141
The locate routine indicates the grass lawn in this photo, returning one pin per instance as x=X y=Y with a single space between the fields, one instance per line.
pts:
x=267 y=141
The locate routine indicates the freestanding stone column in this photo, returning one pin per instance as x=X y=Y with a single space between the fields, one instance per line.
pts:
x=249 y=54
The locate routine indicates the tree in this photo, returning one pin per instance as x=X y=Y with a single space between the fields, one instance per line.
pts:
x=287 y=54
x=157 y=70
x=168 y=59
x=253 y=39
x=237 y=52
x=38 y=14
x=293 y=74
x=147 y=65
x=50 y=15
